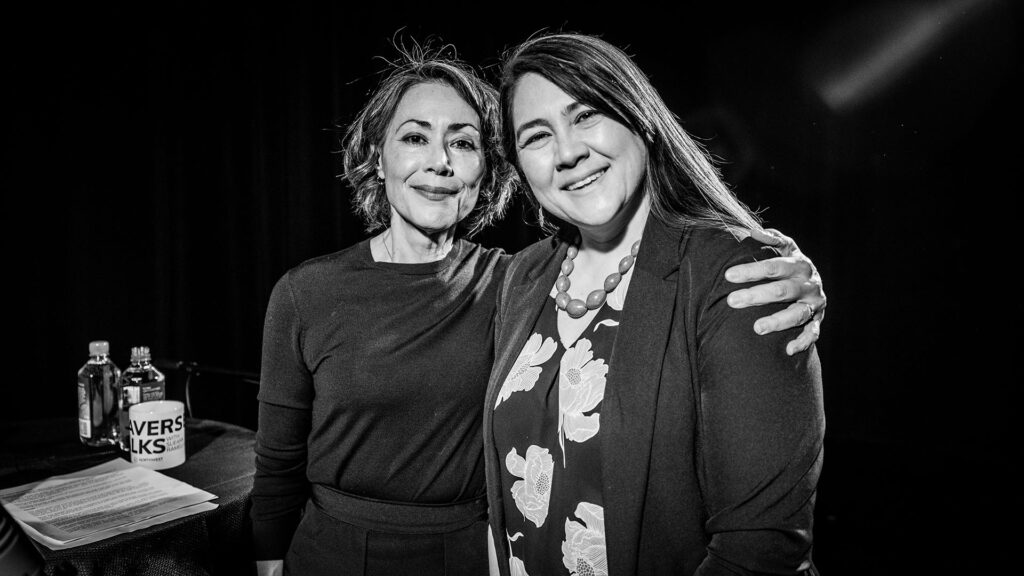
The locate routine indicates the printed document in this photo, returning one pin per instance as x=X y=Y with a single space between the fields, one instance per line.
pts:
x=113 y=498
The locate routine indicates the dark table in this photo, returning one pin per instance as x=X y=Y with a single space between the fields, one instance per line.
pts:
x=219 y=460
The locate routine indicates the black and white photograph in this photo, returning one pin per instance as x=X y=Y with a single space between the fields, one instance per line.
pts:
x=511 y=289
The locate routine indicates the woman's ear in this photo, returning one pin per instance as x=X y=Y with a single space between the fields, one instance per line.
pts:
x=380 y=165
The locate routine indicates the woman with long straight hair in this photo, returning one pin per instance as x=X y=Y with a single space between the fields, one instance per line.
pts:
x=634 y=424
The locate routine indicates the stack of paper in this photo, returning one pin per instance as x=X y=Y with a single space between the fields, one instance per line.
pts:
x=100 y=502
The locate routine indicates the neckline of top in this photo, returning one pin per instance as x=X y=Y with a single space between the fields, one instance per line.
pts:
x=414 y=268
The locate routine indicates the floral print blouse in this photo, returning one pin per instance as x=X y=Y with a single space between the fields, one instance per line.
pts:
x=547 y=423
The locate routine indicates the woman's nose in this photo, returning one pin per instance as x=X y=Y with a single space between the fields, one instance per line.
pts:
x=438 y=162
x=571 y=150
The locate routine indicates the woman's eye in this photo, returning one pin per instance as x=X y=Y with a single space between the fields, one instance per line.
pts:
x=533 y=139
x=586 y=115
x=414 y=139
x=463 y=144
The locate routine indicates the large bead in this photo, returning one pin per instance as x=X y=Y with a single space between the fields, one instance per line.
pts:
x=562 y=284
x=595 y=299
x=572 y=252
x=567 y=266
x=576 y=308
x=635 y=249
x=612 y=281
x=561 y=300
x=625 y=264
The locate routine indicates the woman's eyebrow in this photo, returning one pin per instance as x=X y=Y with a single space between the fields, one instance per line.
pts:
x=461 y=125
x=531 y=124
x=421 y=123
x=569 y=109
x=427 y=125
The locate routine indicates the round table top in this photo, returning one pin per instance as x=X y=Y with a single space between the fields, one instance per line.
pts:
x=219 y=460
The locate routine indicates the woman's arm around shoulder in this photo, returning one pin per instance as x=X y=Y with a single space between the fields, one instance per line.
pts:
x=788 y=277
x=761 y=429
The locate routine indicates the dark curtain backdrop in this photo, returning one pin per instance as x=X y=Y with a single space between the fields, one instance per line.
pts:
x=169 y=164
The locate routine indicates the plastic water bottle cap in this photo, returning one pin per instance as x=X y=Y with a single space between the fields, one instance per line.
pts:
x=98 y=347
x=140 y=353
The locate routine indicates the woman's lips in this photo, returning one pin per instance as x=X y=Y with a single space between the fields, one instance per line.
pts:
x=586 y=181
x=436 y=190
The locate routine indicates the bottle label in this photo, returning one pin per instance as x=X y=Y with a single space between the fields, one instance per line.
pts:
x=131 y=396
x=151 y=391
x=84 y=417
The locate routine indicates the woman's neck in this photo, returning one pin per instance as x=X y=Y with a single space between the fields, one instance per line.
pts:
x=620 y=233
x=602 y=249
x=403 y=243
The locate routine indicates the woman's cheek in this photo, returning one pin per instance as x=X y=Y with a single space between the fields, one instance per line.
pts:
x=467 y=206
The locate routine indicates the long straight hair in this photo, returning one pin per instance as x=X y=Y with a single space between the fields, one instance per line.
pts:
x=685 y=187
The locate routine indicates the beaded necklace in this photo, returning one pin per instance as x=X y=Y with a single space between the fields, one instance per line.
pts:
x=575 y=307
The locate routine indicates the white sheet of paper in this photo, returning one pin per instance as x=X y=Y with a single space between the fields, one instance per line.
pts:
x=113 y=498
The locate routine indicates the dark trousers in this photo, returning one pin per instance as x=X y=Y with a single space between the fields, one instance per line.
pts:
x=342 y=535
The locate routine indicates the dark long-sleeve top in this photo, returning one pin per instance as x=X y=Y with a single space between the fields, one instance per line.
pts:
x=372 y=383
x=711 y=436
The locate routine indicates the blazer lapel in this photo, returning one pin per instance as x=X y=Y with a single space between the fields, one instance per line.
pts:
x=631 y=394
x=519 y=312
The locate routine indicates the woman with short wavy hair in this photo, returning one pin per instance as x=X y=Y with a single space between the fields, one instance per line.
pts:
x=367 y=131
x=375 y=357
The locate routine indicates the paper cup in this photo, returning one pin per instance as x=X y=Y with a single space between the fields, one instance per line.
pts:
x=157 y=434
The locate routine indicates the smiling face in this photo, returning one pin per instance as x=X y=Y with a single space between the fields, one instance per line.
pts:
x=431 y=159
x=583 y=166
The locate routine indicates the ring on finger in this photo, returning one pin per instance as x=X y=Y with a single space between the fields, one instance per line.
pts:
x=810 y=311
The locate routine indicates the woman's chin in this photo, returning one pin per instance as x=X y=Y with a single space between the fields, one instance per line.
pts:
x=435 y=226
x=601 y=217
x=589 y=219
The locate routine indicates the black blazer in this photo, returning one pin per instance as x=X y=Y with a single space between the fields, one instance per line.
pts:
x=711 y=436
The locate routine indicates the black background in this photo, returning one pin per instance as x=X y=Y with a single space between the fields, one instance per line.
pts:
x=166 y=165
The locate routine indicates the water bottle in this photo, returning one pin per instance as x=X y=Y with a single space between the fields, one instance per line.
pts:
x=140 y=382
x=97 y=397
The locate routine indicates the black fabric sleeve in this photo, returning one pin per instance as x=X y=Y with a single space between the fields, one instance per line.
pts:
x=284 y=378
x=760 y=438
x=280 y=486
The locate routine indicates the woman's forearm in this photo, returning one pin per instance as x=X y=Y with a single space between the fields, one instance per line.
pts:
x=280 y=486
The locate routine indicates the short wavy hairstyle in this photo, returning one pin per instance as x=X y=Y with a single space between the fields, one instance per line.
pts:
x=364 y=137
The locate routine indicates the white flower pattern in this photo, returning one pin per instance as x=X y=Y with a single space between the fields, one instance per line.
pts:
x=581 y=381
x=582 y=377
x=516 y=567
x=526 y=370
x=532 y=494
x=583 y=550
